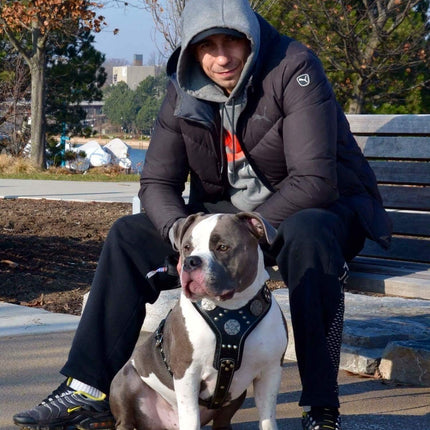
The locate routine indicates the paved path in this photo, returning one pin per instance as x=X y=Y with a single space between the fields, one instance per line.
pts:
x=69 y=190
x=30 y=364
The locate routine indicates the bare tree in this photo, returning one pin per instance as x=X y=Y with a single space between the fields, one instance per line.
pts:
x=263 y=6
x=28 y=26
x=166 y=15
x=371 y=49
x=156 y=58
x=14 y=108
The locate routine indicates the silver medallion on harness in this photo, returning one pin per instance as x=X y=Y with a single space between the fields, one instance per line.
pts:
x=208 y=305
x=256 y=308
x=232 y=327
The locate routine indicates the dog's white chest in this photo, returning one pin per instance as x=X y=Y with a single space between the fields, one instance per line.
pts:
x=232 y=346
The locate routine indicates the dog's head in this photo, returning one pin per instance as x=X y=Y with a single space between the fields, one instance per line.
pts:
x=220 y=254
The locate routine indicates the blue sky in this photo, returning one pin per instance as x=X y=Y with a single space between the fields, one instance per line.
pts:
x=135 y=36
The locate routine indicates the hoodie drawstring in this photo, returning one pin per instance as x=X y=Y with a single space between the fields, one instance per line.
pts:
x=221 y=143
x=233 y=136
x=232 y=132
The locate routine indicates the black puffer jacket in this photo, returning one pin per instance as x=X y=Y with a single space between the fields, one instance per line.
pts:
x=292 y=130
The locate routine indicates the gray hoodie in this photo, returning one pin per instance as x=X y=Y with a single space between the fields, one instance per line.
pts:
x=198 y=16
x=247 y=191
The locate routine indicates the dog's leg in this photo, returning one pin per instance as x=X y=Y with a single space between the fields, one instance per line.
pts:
x=187 y=395
x=122 y=395
x=266 y=389
x=222 y=418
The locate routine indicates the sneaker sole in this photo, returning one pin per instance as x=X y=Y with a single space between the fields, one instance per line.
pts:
x=101 y=422
x=84 y=425
x=56 y=427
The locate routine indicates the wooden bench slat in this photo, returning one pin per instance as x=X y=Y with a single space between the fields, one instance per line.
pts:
x=398 y=268
x=402 y=248
x=395 y=172
x=390 y=124
x=405 y=197
x=411 y=223
x=394 y=147
x=398 y=150
x=386 y=283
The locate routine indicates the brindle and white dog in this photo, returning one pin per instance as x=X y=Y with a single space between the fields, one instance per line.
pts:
x=225 y=333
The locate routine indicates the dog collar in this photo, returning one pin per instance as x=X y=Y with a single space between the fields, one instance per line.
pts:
x=231 y=328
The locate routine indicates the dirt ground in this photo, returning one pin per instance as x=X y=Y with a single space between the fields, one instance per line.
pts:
x=49 y=250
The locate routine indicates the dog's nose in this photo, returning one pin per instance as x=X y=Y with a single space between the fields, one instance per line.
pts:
x=191 y=263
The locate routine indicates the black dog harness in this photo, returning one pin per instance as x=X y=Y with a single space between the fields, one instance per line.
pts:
x=231 y=328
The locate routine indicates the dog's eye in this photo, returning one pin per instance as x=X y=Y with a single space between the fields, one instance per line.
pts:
x=222 y=247
x=186 y=247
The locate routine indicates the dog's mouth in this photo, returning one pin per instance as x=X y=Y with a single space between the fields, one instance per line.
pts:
x=226 y=296
x=193 y=290
x=195 y=287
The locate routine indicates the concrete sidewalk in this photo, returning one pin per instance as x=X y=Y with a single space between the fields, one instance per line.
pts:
x=69 y=190
x=30 y=365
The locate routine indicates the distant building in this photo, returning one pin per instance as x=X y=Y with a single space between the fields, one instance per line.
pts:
x=95 y=116
x=93 y=109
x=133 y=75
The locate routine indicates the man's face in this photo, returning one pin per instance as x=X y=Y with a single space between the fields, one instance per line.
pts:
x=222 y=57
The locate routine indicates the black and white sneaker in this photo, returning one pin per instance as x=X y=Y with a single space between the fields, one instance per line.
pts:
x=67 y=409
x=321 y=419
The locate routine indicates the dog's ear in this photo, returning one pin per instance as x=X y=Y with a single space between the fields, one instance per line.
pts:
x=180 y=227
x=259 y=226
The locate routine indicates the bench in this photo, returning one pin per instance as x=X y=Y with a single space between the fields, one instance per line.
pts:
x=398 y=149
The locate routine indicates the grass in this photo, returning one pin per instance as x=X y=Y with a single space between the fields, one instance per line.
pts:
x=21 y=168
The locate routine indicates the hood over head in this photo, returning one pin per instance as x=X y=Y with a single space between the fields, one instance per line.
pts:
x=215 y=30
x=214 y=17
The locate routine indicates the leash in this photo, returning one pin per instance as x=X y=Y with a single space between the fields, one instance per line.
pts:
x=231 y=328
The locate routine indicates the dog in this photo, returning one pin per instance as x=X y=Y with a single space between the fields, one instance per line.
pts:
x=225 y=333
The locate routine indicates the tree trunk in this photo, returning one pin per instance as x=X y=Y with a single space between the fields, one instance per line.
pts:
x=38 y=110
x=355 y=106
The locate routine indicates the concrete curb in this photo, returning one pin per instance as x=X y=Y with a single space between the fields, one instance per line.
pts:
x=22 y=320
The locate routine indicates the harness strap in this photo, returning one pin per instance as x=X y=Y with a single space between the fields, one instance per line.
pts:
x=159 y=337
x=231 y=328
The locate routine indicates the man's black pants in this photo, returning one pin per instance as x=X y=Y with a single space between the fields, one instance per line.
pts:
x=311 y=249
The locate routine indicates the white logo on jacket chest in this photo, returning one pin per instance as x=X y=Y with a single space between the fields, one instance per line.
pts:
x=304 y=80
